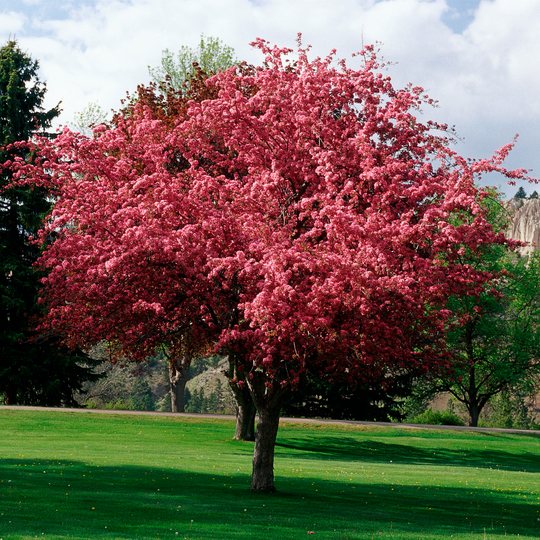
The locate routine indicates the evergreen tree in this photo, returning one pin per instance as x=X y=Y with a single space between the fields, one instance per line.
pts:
x=32 y=371
x=196 y=403
x=373 y=399
x=520 y=194
x=140 y=398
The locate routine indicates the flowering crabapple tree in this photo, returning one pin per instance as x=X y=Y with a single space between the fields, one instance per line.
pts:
x=313 y=221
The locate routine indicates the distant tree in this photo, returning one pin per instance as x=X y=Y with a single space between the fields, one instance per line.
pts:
x=220 y=396
x=187 y=397
x=212 y=402
x=534 y=195
x=140 y=398
x=196 y=401
x=211 y=55
x=36 y=372
x=495 y=338
x=91 y=116
x=119 y=380
x=520 y=194
x=509 y=409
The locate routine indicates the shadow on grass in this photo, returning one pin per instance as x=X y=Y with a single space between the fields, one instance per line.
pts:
x=58 y=498
x=345 y=448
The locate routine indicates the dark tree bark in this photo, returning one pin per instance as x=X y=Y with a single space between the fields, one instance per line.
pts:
x=475 y=400
x=263 y=455
x=245 y=407
x=472 y=404
x=178 y=377
x=474 y=415
x=268 y=400
x=245 y=415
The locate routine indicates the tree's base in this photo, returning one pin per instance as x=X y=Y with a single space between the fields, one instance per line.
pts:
x=247 y=438
x=271 y=489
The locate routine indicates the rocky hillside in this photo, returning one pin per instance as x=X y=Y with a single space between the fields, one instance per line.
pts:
x=210 y=391
x=208 y=378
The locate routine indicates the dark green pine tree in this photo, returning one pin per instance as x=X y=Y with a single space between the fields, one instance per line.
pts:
x=33 y=370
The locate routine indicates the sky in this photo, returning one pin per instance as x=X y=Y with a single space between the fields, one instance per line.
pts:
x=480 y=59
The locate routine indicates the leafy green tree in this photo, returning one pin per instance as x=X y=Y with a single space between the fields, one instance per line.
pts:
x=31 y=372
x=211 y=55
x=495 y=338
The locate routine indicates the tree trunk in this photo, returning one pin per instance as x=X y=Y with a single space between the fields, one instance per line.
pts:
x=268 y=399
x=178 y=377
x=245 y=420
x=10 y=395
x=245 y=413
x=245 y=406
x=472 y=402
x=474 y=414
x=263 y=455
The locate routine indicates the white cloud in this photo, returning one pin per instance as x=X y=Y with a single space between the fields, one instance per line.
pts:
x=11 y=23
x=510 y=52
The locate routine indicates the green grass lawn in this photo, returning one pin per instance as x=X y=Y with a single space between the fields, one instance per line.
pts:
x=97 y=476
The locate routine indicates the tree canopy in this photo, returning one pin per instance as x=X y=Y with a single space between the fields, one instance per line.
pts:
x=303 y=218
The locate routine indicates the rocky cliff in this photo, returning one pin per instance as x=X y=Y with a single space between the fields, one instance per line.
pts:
x=526 y=223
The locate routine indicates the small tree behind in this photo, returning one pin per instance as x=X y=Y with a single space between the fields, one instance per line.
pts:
x=179 y=79
x=495 y=337
x=211 y=55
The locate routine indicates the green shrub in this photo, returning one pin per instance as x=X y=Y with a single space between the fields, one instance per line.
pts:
x=437 y=418
x=121 y=405
x=92 y=405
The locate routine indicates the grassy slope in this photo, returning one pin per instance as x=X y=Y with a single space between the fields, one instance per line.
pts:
x=93 y=476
